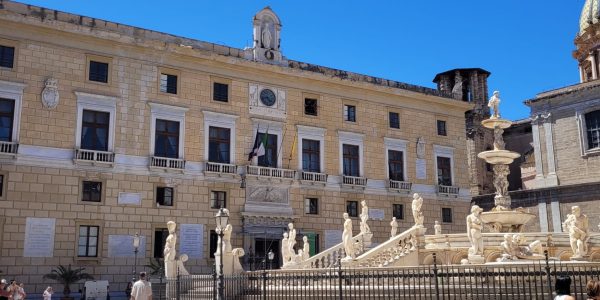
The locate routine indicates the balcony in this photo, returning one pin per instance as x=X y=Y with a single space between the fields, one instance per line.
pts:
x=94 y=157
x=448 y=191
x=400 y=186
x=354 y=181
x=219 y=168
x=167 y=164
x=9 y=149
x=313 y=177
x=266 y=172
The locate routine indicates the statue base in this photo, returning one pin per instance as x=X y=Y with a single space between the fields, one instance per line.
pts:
x=476 y=259
x=580 y=258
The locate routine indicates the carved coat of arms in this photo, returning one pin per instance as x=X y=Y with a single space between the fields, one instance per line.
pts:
x=50 y=96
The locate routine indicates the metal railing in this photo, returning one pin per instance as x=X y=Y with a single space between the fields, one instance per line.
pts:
x=213 y=167
x=401 y=186
x=94 y=156
x=352 y=180
x=314 y=177
x=448 y=190
x=9 y=148
x=270 y=172
x=167 y=163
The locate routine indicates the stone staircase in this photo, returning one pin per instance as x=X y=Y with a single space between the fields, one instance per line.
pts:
x=401 y=250
x=329 y=258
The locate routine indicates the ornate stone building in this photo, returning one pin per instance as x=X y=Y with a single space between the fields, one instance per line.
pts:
x=107 y=130
x=565 y=134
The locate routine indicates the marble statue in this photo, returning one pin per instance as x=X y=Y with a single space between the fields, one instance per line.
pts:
x=417 y=204
x=347 y=237
x=500 y=181
x=494 y=104
x=474 y=226
x=305 y=248
x=285 y=250
x=499 y=139
x=421 y=147
x=169 y=251
x=266 y=36
x=364 y=217
x=577 y=225
x=291 y=239
x=507 y=249
x=227 y=238
x=394 y=225
x=512 y=249
x=437 y=228
x=457 y=90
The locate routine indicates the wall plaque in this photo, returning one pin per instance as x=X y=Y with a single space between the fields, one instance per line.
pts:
x=191 y=240
x=39 y=237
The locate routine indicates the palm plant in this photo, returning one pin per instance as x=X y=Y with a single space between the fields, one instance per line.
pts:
x=67 y=276
x=156 y=266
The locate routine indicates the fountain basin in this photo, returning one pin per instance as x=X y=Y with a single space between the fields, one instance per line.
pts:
x=492 y=123
x=498 y=157
x=506 y=221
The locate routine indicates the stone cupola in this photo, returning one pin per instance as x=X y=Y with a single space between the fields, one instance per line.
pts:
x=587 y=41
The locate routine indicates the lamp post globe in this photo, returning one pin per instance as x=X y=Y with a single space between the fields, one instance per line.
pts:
x=271 y=256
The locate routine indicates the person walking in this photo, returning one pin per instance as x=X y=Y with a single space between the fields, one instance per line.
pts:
x=4 y=293
x=48 y=293
x=562 y=288
x=19 y=292
x=142 y=290
x=593 y=290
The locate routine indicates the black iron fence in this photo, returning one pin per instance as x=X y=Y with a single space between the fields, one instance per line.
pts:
x=491 y=281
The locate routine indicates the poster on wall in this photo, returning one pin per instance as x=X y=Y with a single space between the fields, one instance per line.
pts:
x=421 y=168
x=122 y=246
x=39 y=237
x=376 y=214
x=332 y=238
x=191 y=237
x=130 y=198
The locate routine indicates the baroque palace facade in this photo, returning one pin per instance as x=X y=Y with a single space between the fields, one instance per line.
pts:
x=108 y=130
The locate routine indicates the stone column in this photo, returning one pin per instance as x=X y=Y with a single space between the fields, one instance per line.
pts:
x=594 y=65
x=581 y=76
x=537 y=146
x=551 y=179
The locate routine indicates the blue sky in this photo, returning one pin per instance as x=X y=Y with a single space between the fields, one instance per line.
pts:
x=526 y=45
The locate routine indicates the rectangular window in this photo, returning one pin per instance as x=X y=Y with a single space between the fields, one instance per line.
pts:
x=270 y=157
x=350 y=113
x=213 y=241
x=394 y=120
x=446 y=215
x=218 y=199
x=220 y=92
x=444 y=171
x=7 y=56
x=441 y=127
x=91 y=191
x=592 y=125
x=218 y=145
x=351 y=160
x=352 y=208
x=396 y=165
x=94 y=130
x=164 y=196
x=98 y=71
x=167 y=139
x=7 y=112
x=160 y=238
x=168 y=83
x=398 y=211
x=88 y=241
x=311 y=155
x=311 y=206
x=310 y=106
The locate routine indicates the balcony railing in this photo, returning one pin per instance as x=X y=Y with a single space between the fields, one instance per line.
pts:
x=448 y=190
x=94 y=157
x=212 y=167
x=314 y=177
x=401 y=186
x=9 y=148
x=270 y=172
x=354 y=181
x=167 y=163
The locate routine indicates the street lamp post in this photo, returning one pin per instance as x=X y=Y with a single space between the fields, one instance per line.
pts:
x=222 y=218
x=271 y=256
x=136 y=246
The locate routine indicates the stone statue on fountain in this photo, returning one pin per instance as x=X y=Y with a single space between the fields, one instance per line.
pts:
x=474 y=226
x=364 y=217
x=417 y=205
x=511 y=246
x=394 y=225
x=577 y=225
x=347 y=238
x=494 y=104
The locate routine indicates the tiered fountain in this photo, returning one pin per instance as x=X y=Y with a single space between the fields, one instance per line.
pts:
x=501 y=218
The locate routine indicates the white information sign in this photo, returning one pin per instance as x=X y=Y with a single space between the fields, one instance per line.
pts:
x=39 y=237
x=191 y=240
x=376 y=214
x=122 y=246
x=421 y=168
x=130 y=198
x=332 y=238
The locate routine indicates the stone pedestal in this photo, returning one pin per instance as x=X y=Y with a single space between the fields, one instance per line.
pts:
x=231 y=262
x=476 y=259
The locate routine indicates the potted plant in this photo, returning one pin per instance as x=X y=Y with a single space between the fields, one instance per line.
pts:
x=67 y=276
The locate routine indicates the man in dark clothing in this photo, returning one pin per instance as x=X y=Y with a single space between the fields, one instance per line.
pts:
x=4 y=293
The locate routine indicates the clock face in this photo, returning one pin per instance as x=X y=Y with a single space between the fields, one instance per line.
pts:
x=267 y=97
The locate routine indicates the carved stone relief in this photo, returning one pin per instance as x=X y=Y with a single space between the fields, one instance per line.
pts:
x=267 y=194
x=50 y=95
